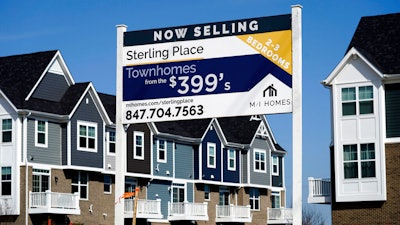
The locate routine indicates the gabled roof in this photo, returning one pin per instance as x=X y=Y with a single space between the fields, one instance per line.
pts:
x=193 y=129
x=240 y=129
x=378 y=39
x=19 y=74
x=109 y=105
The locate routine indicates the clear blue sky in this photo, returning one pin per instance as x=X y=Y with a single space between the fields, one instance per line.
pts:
x=85 y=33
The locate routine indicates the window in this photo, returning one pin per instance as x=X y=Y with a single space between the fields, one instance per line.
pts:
x=107 y=184
x=6 y=130
x=80 y=183
x=223 y=196
x=138 y=147
x=206 y=192
x=6 y=180
x=111 y=142
x=41 y=133
x=260 y=161
x=40 y=180
x=275 y=165
x=231 y=159
x=211 y=155
x=178 y=192
x=359 y=161
x=254 y=199
x=130 y=185
x=87 y=133
x=365 y=100
x=162 y=151
x=276 y=199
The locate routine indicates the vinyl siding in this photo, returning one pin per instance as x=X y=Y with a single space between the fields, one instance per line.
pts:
x=161 y=189
x=211 y=137
x=87 y=112
x=392 y=98
x=256 y=177
x=46 y=155
x=184 y=161
x=163 y=167
x=231 y=175
x=137 y=165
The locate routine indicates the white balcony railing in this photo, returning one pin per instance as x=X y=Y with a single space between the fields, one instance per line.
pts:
x=149 y=209
x=187 y=211
x=280 y=216
x=54 y=202
x=319 y=190
x=233 y=213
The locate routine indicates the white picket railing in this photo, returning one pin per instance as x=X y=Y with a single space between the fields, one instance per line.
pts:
x=145 y=208
x=41 y=202
x=187 y=211
x=233 y=213
x=280 y=215
x=319 y=190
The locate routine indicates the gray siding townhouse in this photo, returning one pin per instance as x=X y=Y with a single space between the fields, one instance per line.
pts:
x=57 y=158
x=365 y=92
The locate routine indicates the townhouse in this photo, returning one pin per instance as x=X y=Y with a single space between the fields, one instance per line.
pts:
x=57 y=158
x=365 y=88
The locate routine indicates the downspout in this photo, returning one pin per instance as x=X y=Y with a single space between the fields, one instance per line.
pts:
x=25 y=150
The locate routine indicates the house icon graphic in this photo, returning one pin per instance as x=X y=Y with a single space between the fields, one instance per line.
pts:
x=270 y=90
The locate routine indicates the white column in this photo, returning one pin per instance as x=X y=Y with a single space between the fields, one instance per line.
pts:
x=120 y=142
x=297 y=113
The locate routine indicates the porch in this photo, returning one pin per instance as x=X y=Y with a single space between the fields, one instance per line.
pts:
x=319 y=190
x=279 y=216
x=233 y=213
x=148 y=209
x=187 y=211
x=54 y=202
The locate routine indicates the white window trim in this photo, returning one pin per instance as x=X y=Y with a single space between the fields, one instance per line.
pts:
x=2 y=131
x=254 y=160
x=277 y=165
x=46 y=132
x=229 y=159
x=87 y=124
x=159 y=149
x=141 y=134
x=209 y=144
x=207 y=191
x=109 y=142
x=79 y=184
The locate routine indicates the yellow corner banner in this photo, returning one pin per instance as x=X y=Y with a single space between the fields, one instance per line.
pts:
x=275 y=46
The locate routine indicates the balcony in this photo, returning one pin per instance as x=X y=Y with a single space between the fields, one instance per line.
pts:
x=279 y=216
x=233 y=213
x=148 y=209
x=319 y=191
x=187 y=211
x=53 y=202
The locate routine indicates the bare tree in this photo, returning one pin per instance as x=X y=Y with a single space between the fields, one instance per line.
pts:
x=312 y=216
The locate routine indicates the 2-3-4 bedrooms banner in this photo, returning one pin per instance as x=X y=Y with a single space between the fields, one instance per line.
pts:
x=232 y=68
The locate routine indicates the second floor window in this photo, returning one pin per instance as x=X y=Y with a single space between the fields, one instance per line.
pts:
x=6 y=130
x=162 y=151
x=275 y=165
x=211 y=155
x=359 y=160
x=6 y=180
x=231 y=159
x=357 y=100
x=41 y=133
x=87 y=139
x=260 y=161
x=138 y=145
x=111 y=142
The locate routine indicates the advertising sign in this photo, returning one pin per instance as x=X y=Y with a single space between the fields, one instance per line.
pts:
x=232 y=68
